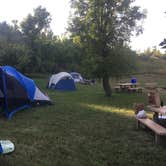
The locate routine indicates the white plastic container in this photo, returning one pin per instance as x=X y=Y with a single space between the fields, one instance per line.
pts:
x=7 y=146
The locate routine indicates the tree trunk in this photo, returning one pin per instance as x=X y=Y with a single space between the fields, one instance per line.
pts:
x=106 y=86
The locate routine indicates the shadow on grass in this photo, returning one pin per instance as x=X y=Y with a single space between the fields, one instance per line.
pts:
x=119 y=100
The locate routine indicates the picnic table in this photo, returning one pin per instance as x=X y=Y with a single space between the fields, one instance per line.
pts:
x=158 y=110
x=155 y=124
x=159 y=115
x=128 y=87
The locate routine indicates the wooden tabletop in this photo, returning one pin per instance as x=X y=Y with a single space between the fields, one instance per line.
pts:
x=127 y=84
x=161 y=110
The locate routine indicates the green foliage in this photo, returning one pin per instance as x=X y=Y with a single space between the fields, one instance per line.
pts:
x=33 y=26
x=151 y=65
x=9 y=34
x=32 y=47
x=152 y=52
x=103 y=28
x=163 y=44
x=35 y=29
x=14 y=54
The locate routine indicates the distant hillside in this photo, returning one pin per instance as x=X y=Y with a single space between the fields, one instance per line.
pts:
x=151 y=65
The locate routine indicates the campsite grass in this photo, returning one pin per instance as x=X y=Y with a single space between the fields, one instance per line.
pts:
x=82 y=128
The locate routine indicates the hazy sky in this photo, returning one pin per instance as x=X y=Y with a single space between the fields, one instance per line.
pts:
x=19 y=9
x=154 y=25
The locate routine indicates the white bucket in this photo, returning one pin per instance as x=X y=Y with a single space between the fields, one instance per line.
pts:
x=7 y=146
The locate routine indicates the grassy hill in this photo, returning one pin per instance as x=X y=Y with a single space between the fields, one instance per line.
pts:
x=151 y=65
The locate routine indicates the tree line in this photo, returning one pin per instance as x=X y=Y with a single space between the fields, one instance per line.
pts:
x=99 y=34
x=31 y=46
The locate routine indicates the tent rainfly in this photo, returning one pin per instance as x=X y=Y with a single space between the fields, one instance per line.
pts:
x=77 y=77
x=62 y=81
x=18 y=91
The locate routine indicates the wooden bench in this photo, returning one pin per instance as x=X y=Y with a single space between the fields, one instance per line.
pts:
x=156 y=128
x=136 y=89
x=117 y=88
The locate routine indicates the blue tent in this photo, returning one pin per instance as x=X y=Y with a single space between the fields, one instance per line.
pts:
x=1 y=150
x=62 y=81
x=18 y=91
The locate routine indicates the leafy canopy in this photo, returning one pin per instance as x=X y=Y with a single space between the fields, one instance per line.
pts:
x=104 y=28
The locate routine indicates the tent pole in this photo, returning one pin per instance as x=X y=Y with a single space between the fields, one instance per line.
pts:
x=17 y=109
x=5 y=94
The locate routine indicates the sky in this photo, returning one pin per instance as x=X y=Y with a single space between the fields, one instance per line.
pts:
x=154 y=25
x=19 y=9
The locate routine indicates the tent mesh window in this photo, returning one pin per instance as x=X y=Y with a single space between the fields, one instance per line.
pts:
x=15 y=93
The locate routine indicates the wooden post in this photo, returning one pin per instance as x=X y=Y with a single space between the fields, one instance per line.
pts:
x=138 y=124
x=157 y=139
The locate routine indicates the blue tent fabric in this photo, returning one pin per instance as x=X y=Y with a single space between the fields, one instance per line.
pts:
x=18 y=91
x=1 y=150
x=65 y=84
x=26 y=82
x=62 y=81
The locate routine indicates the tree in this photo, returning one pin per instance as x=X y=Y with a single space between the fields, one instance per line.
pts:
x=14 y=54
x=151 y=52
x=9 y=33
x=104 y=27
x=156 y=52
x=35 y=28
x=13 y=51
x=163 y=44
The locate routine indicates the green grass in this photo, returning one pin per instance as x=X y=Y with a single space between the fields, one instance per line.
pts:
x=82 y=128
